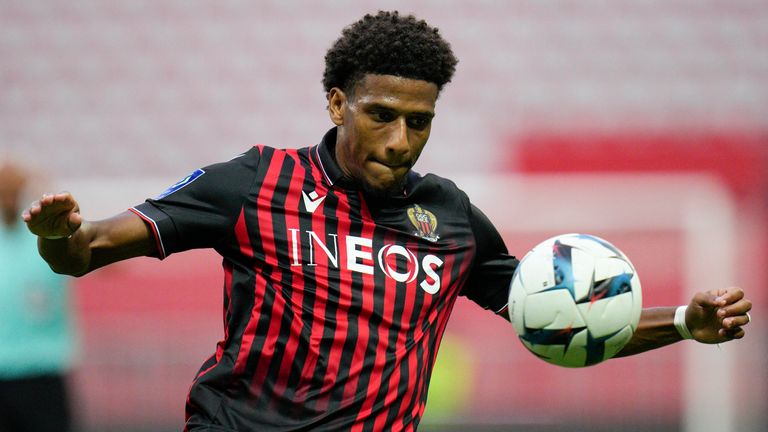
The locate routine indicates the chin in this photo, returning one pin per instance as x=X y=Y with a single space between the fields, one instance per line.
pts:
x=394 y=188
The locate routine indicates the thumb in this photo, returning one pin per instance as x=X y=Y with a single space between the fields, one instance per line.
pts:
x=74 y=221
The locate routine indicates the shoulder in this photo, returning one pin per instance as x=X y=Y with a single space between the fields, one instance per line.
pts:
x=267 y=155
x=431 y=180
x=249 y=162
x=217 y=179
x=249 y=158
x=443 y=187
x=453 y=196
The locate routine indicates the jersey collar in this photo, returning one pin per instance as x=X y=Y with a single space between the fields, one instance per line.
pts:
x=323 y=155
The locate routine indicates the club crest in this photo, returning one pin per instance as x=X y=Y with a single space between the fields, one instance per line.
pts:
x=425 y=223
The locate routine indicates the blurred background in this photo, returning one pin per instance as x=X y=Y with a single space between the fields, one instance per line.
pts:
x=641 y=122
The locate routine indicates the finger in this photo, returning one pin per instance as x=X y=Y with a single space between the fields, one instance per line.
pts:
x=46 y=199
x=34 y=208
x=741 y=307
x=62 y=197
x=74 y=221
x=732 y=294
x=735 y=333
x=50 y=198
x=735 y=321
x=65 y=199
x=709 y=300
x=58 y=202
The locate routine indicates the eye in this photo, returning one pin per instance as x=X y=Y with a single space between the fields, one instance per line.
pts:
x=418 y=122
x=383 y=116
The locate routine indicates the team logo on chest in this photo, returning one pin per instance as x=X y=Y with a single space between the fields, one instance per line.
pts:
x=425 y=223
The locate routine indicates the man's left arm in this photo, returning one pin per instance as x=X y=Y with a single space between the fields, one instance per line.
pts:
x=711 y=317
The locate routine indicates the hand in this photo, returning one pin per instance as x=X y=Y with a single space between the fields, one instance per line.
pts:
x=54 y=215
x=718 y=315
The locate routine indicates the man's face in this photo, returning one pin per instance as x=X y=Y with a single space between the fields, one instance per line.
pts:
x=383 y=127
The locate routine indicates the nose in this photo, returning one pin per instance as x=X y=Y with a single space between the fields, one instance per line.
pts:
x=398 y=144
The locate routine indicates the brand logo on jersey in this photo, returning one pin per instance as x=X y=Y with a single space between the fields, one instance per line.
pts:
x=425 y=223
x=312 y=201
x=358 y=255
x=180 y=184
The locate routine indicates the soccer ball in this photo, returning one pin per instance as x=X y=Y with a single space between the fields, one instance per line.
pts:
x=575 y=300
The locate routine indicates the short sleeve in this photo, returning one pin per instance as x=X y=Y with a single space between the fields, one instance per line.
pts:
x=200 y=210
x=493 y=267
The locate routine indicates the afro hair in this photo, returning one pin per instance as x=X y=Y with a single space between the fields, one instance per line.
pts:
x=388 y=44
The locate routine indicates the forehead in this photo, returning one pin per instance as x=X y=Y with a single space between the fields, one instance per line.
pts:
x=396 y=92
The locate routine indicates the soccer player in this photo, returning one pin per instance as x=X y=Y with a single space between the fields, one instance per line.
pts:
x=341 y=264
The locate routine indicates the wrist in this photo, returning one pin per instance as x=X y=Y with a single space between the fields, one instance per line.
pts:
x=680 y=324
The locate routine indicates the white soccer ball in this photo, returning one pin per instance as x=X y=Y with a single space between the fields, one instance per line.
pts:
x=575 y=300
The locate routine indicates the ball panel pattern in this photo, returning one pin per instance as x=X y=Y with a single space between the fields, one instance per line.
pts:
x=575 y=300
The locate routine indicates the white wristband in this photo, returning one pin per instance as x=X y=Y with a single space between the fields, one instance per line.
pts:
x=57 y=237
x=680 y=325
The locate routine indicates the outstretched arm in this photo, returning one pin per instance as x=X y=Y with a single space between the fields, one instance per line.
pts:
x=712 y=317
x=74 y=246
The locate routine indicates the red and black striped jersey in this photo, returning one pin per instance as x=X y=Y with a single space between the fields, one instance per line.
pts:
x=335 y=300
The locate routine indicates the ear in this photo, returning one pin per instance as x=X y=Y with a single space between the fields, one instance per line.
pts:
x=337 y=103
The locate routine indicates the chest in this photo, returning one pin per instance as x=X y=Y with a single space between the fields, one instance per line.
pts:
x=334 y=237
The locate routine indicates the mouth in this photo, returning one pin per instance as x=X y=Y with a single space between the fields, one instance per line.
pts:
x=393 y=165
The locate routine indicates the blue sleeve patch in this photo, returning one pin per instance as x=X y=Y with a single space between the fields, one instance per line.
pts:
x=180 y=184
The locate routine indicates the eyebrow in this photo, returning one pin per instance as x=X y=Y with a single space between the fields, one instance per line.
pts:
x=382 y=106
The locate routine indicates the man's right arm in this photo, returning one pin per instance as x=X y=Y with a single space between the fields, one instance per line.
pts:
x=74 y=246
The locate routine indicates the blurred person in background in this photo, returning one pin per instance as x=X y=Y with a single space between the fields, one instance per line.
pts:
x=36 y=335
x=322 y=332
